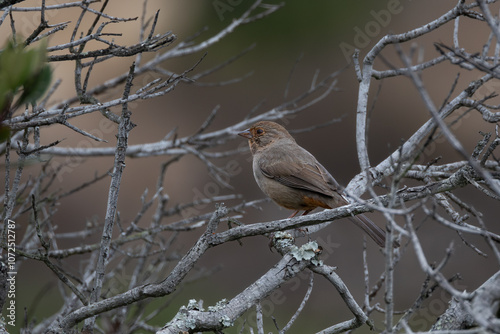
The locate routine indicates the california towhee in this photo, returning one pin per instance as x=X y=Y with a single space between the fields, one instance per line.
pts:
x=293 y=178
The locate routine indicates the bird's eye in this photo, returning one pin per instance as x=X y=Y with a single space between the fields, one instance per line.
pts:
x=260 y=131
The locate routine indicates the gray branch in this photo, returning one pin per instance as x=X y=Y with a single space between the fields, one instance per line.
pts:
x=484 y=306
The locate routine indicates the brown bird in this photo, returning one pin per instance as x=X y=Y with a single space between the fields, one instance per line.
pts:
x=293 y=178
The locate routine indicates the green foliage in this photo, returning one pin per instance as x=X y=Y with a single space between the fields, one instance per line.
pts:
x=36 y=86
x=4 y=135
x=24 y=72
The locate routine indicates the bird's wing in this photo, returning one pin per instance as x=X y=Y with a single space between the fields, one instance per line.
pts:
x=296 y=172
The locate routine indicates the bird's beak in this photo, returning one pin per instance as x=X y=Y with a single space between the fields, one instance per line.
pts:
x=246 y=133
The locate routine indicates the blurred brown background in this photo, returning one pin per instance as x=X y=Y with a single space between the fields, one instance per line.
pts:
x=312 y=32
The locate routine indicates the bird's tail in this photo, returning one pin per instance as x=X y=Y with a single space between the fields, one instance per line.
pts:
x=375 y=232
